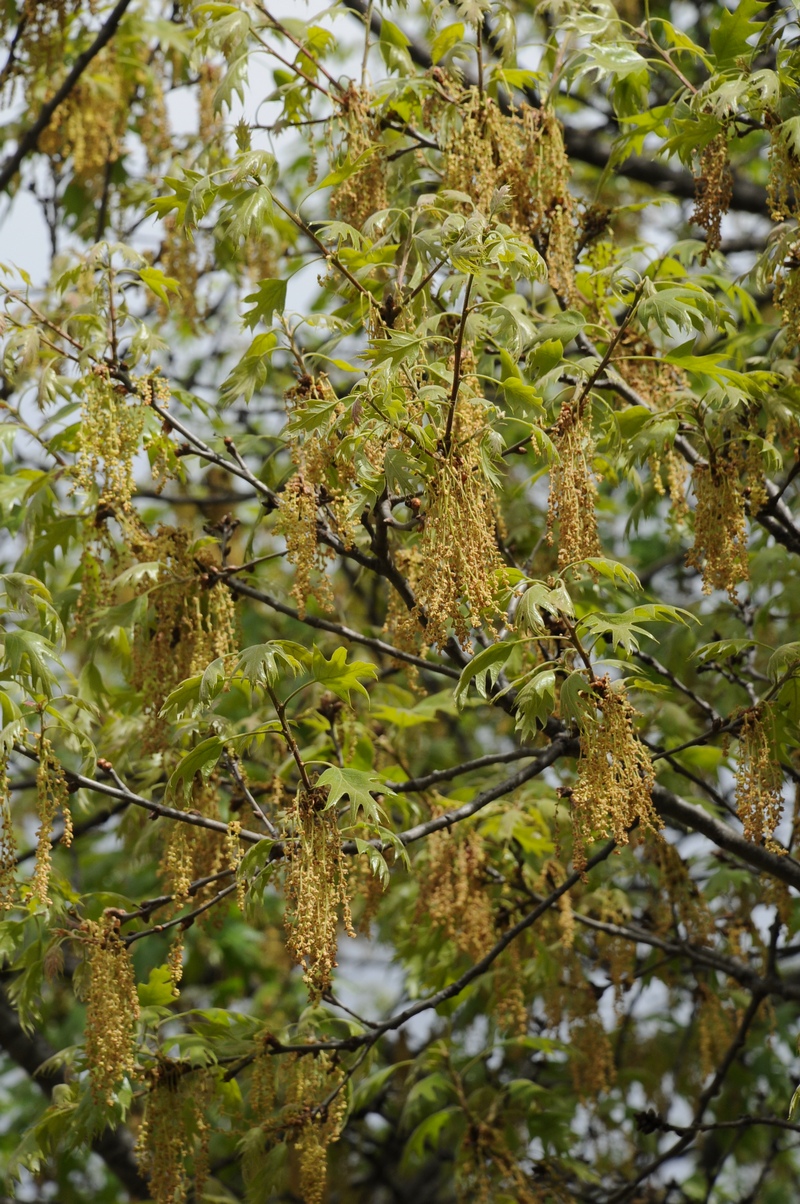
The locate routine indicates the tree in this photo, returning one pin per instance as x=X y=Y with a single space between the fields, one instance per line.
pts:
x=401 y=544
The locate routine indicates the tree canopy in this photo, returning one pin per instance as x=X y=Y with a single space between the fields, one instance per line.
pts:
x=400 y=679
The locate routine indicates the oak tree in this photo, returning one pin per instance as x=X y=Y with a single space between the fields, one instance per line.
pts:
x=400 y=586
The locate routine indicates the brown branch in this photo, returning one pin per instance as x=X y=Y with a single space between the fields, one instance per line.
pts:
x=184 y=921
x=668 y=805
x=445 y=775
x=705 y=1099
x=30 y=139
x=347 y=633
x=358 y=1040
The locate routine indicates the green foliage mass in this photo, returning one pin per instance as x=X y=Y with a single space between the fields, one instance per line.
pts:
x=400 y=585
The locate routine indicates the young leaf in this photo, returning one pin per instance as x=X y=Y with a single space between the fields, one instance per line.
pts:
x=340 y=677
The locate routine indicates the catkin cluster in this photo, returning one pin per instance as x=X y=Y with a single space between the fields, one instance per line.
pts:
x=320 y=483
x=8 y=842
x=573 y=491
x=292 y=1101
x=488 y=1170
x=52 y=796
x=192 y=852
x=453 y=892
x=316 y=887
x=591 y=1058
x=179 y=259
x=89 y=126
x=110 y=436
x=191 y=619
x=364 y=193
x=112 y=1008
x=783 y=185
x=713 y=191
x=458 y=551
x=759 y=781
x=174 y=1134
x=615 y=775
x=525 y=152
x=720 y=529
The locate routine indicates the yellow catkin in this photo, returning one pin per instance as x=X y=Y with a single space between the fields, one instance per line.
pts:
x=783 y=186
x=456 y=584
x=714 y=1029
x=112 y=1008
x=489 y=150
x=320 y=480
x=8 y=842
x=678 y=896
x=192 y=616
x=787 y=293
x=573 y=491
x=487 y=1169
x=233 y=848
x=511 y=1010
x=110 y=435
x=615 y=775
x=179 y=259
x=713 y=191
x=52 y=796
x=174 y=1134
x=591 y=1058
x=364 y=193
x=453 y=892
x=88 y=128
x=720 y=529
x=312 y=1120
x=316 y=887
x=759 y=780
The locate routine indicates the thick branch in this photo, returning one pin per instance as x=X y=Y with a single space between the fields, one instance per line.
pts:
x=29 y=140
x=784 y=868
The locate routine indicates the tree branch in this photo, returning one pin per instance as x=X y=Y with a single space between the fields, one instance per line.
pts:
x=29 y=140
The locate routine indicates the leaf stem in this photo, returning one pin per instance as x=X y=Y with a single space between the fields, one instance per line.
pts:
x=451 y=413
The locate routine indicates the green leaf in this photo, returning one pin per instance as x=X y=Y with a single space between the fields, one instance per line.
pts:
x=622 y=629
x=358 y=787
x=26 y=655
x=445 y=40
x=783 y=659
x=260 y=664
x=340 y=677
x=255 y=860
x=202 y=759
x=731 y=31
x=251 y=371
x=483 y=670
x=347 y=169
x=613 y=571
x=519 y=394
x=158 y=283
x=575 y=698
x=794 y=1103
x=159 y=990
x=535 y=702
x=538 y=597
x=722 y=649
x=182 y=698
x=393 y=350
x=269 y=298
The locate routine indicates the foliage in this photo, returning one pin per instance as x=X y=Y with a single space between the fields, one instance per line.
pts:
x=400 y=570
